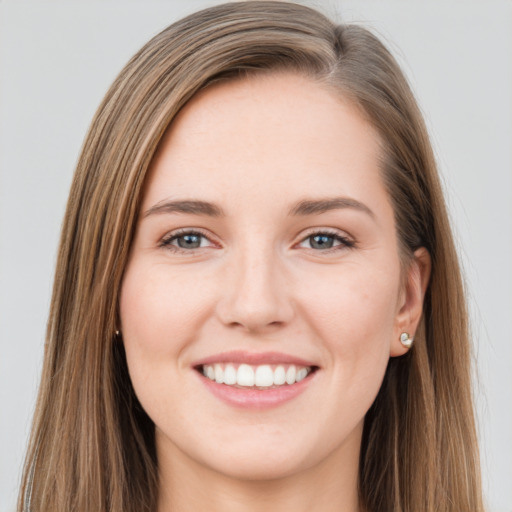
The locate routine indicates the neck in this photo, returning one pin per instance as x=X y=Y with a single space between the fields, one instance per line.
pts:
x=186 y=485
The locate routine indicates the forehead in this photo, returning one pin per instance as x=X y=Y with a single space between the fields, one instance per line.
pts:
x=269 y=134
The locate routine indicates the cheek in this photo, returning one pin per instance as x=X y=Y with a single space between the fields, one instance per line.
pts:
x=355 y=307
x=157 y=310
x=354 y=314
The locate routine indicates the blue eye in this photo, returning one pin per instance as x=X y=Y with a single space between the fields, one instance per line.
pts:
x=190 y=241
x=321 y=241
x=324 y=241
x=185 y=240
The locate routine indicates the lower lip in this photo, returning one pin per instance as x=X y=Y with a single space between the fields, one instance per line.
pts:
x=257 y=398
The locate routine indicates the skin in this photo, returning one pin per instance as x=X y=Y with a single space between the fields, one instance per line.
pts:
x=255 y=147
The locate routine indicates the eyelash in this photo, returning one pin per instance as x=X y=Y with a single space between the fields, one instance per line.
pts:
x=344 y=243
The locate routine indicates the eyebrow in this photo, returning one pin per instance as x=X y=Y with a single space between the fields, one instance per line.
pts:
x=192 y=206
x=303 y=207
x=316 y=206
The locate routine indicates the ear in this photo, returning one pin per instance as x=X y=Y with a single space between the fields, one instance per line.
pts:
x=410 y=305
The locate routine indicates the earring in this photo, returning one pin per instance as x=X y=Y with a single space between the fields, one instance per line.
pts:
x=118 y=333
x=406 y=340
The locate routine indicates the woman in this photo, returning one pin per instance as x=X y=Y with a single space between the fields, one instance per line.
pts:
x=257 y=301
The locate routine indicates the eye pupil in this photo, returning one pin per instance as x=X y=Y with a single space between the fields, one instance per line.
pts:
x=321 y=241
x=189 y=241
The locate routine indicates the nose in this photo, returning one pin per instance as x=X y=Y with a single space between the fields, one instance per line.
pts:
x=255 y=295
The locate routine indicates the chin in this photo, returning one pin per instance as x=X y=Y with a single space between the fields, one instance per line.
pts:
x=262 y=466
x=260 y=457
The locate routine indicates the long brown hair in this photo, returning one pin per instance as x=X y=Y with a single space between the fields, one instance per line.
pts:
x=92 y=447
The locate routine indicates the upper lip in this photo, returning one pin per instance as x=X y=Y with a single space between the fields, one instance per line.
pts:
x=253 y=358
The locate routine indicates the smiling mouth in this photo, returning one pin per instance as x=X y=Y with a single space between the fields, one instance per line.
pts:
x=264 y=376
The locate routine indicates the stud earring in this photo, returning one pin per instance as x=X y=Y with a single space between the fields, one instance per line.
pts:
x=406 y=340
x=118 y=333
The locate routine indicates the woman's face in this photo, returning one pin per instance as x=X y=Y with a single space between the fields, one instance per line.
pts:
x=266 y=250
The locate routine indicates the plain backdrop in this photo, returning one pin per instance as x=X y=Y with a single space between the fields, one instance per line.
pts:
x=57 y=60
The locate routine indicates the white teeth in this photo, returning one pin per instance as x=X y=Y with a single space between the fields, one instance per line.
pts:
x=230 y=374
x=290 y=374
x=261 y=376
x=301 y=374
x=245 y=375
x=279 y=376
x=264 y=376
x=219 y=374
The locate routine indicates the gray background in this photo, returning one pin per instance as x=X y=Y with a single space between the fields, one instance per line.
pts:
x=57 y=60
